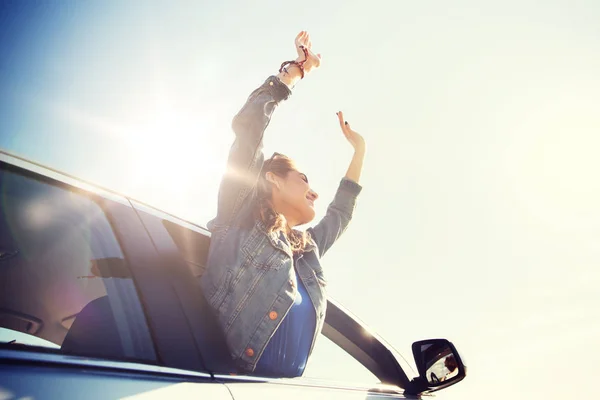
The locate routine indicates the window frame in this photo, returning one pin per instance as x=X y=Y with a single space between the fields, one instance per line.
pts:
x=210 y=343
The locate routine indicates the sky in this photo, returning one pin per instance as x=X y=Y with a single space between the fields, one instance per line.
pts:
x=479 y=219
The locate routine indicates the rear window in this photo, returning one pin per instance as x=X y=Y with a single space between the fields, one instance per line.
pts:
x=65 y=284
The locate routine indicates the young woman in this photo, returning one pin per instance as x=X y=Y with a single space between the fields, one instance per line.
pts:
x=264 y=278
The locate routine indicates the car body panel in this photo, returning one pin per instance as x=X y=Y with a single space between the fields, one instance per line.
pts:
x=297 y=389
x=54 y=376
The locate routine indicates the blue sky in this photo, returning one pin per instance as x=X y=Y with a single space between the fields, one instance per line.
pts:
x=479 y=218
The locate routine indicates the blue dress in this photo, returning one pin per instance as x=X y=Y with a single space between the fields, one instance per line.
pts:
x=287 y=352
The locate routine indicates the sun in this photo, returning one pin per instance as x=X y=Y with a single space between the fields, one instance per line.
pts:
x=169 y=155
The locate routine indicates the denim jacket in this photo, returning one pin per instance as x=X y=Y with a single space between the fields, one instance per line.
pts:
x=249 y=281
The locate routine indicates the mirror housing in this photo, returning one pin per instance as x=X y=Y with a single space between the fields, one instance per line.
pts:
x=439 y=366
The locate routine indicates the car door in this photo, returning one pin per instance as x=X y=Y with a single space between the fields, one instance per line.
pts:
x=183 y=249
x=347 y=362
x=297 y=389
x=86 y=310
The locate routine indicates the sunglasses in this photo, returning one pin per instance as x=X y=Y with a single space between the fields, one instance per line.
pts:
x=267 y=164
x=274 y=156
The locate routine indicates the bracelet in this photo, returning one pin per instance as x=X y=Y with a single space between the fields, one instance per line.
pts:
x=299 y=64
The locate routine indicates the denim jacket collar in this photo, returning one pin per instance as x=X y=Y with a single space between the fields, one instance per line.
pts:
x=279 y=240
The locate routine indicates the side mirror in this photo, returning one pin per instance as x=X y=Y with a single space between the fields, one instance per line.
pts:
x=439 y=365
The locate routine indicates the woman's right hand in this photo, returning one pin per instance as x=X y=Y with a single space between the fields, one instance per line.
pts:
x=353 y=137
x=314 y=60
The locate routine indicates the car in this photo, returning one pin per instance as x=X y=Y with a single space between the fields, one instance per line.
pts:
x=100 y=299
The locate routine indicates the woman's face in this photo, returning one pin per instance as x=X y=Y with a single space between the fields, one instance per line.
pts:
x=295 y=199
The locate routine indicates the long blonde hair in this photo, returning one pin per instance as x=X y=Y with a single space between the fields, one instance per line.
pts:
x=279 y=165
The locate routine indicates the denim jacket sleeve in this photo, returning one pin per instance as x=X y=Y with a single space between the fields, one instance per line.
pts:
x=245 y=156
x=338 y=216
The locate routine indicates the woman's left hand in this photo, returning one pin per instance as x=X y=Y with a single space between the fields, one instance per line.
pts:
x=355 y=139
x=314 y=60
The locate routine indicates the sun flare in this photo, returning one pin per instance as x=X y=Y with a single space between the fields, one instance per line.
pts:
x=168 y=157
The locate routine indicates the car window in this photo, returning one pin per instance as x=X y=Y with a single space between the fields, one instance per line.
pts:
x=192 y=244
x=330 y=362
x=64 y=279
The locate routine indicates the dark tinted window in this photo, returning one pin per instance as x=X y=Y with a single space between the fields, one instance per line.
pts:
x=192 y=244
x=64 y=280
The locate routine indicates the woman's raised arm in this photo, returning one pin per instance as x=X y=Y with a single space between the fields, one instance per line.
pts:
x=245 y=156
x=339 y=213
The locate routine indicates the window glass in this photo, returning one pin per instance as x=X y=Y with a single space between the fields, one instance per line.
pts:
x=64 y=280
x=192 y=244
x=330 y=362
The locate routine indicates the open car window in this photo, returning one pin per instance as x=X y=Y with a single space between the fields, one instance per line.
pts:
x=345 y=352
x=330 y=362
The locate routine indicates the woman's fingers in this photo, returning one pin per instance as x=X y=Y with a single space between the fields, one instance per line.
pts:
x=341 y=120
x=355 y=139
x=344 y=125
x=300 y=39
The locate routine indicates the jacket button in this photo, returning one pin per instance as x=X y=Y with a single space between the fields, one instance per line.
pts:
x=273 y=315
x=249 y=352
x=271 y=83
x=291 y=283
